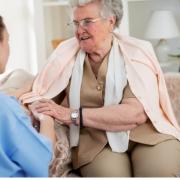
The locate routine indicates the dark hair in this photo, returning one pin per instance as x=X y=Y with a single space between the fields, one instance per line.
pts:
x=2 y=28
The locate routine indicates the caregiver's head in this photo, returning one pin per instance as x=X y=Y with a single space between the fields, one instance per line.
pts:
x=94 y=21
x=4 y=45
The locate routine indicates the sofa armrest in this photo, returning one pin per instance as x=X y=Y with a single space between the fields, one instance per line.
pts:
x=173 y=86
x=16 y=83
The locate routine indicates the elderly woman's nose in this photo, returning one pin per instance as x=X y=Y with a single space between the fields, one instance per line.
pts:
x=80 y=29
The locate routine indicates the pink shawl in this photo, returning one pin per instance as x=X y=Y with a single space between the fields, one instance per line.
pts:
x=55 y=76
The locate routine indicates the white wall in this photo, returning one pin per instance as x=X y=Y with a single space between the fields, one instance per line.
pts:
x=39 y=29
x=56 y=19
x=18 y=16
x=124 y=26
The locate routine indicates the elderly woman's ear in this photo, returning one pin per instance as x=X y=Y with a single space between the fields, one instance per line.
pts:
x=112 y=22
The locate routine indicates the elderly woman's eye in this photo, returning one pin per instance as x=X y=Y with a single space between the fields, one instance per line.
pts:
x=75 y=23
x=87 y=22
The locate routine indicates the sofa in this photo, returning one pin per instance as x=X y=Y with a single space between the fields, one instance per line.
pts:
x=15 y=82
x=173 y=86
x=61 y=163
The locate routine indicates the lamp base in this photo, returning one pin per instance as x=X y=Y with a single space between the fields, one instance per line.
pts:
x=162 y=50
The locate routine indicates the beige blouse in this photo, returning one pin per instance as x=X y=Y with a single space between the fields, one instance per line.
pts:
x=92 y=141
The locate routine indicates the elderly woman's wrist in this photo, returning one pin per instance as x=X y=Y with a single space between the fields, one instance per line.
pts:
x=77 y=117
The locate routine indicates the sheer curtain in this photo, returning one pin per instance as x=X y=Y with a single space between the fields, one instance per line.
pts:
x=19 y=19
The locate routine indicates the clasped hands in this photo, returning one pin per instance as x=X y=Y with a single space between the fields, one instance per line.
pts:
x=50 y=108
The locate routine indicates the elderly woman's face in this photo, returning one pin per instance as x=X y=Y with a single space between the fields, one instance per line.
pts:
x=91 y=29
x=4 y=51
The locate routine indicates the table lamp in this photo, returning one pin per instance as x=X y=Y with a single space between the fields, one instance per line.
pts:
x=162 y=26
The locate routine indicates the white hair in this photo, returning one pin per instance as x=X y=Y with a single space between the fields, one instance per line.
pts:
x=109 y=8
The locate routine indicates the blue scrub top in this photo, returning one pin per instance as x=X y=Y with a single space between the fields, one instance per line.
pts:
x=23 y=151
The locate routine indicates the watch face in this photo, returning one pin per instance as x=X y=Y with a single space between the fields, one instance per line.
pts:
x=74 y=115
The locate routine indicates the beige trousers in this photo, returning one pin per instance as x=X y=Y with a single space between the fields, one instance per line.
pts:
x=161 y=160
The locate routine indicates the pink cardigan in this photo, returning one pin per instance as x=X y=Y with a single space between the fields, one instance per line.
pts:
x=143 y=72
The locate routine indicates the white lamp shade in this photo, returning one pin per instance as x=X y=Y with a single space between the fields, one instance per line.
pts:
x=162 y=25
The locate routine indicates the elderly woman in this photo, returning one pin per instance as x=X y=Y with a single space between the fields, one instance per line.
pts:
x=112 y=95
x=23 y=151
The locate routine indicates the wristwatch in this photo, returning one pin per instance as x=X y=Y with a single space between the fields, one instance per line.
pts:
x=75 y=116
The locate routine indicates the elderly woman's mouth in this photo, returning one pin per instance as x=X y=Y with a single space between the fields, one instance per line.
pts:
x=84 y=38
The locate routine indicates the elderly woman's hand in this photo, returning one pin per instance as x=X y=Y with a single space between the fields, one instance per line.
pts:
x=50 y=108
